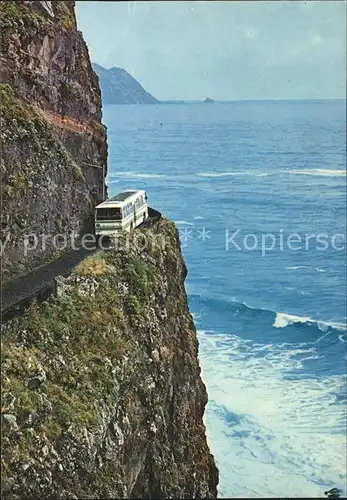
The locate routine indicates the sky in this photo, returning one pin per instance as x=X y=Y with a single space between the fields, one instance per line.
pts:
x=224 y=50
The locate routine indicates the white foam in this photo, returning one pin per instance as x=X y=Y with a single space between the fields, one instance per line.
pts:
x=215 y=174
x=198 y=217
x=227 y=174
x=272 y=435
x=294 y=268
x=320 y=172
x=284 y=319
x=135 y=175
x=183 y=222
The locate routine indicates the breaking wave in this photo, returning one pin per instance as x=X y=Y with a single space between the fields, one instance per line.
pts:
x=235 y=308
x=283 y=319
x=259 y=411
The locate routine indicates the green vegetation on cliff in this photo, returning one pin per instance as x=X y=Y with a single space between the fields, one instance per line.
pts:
x=50 y=130
x=102 y=397
x=19 y=117
x=34 y=140
x=101 y=388
x=33 y=18
x=63 y=360
x=15 y=14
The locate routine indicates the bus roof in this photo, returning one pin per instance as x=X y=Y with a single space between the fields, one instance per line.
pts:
x=120 y=198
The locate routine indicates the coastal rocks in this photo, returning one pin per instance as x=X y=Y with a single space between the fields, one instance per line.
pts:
x=59 y=286
x=35 y=382
x=9 y=423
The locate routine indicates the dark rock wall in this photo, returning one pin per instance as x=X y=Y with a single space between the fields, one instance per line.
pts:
x=51 y=130
x=101 y=389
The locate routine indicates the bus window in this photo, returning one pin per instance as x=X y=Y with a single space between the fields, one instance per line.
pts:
x=108 y=214
x=139 y=202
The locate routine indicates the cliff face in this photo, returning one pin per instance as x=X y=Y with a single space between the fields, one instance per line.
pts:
x=118 y=87
x=102 y=395
x=101 y=389
x=51 y=130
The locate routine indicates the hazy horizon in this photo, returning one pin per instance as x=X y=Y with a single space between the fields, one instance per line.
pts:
x=229 y=51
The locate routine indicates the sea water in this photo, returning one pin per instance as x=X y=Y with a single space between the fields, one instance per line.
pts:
x=271 y=321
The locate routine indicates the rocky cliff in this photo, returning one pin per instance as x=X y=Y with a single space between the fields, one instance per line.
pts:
x=118 y=87
x=52 y=137
x=102 y=395
x=101 y=389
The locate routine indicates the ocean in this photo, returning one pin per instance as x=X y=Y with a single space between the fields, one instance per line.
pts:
x=258 y=192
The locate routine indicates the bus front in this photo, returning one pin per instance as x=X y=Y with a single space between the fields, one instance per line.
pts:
x=108 y=220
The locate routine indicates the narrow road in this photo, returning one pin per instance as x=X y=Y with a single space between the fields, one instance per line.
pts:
x=68 y=123
x=39 y=283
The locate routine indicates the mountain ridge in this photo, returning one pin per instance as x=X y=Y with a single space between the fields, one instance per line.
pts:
x=119 y=87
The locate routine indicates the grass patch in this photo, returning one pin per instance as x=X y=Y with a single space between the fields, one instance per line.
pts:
x=26 y=400
x=134 y=306
x=16 y=16
x=19 y=120
x=78 y=174
x=16 y=185
x=52 y=429
x=99 y=129
x=65 y=16
x=70 y=408
x=140 y=277
x=92 y=266
x=77 y=341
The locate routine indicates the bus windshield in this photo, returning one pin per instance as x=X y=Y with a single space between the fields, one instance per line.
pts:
x=108 y=214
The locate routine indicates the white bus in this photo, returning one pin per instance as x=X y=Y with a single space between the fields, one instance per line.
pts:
x=123 y=212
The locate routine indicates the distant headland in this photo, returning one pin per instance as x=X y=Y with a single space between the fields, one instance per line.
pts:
x=119 y=87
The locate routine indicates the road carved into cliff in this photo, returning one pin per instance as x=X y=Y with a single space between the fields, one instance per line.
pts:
x=68 y=123
x=40 y=284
